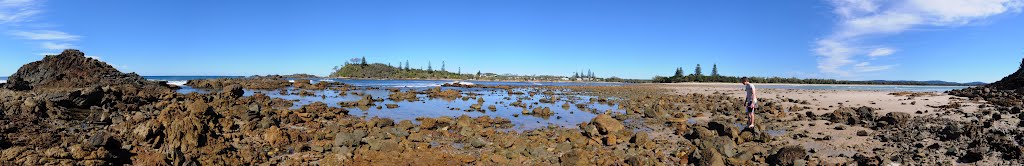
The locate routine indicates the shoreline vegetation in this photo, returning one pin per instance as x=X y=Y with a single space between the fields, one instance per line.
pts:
x=358 y=68
x=697 y=76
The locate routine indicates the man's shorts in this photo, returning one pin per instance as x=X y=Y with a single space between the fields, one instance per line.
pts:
x=749 y=109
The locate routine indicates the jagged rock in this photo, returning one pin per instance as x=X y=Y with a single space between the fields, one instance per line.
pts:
x=349 y=139
x=99 y=139
x=724 y=129
x=254 y=82
x=1014 y=81
x=708 y=157
x=72 y=69
x=895 y=119
x=233 y=91
x=576 y=157
x=788 y=155
x=606 y=124
x=851 y=116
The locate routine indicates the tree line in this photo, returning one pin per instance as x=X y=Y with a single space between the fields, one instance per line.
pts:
x=698 y=76
x=359 y=68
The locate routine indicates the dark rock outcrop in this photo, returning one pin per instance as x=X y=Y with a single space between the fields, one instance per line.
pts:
x=72 y=69
x=1013 y=81
x=1005 y=92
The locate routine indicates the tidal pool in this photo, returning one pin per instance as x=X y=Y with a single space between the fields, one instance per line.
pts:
x=438 y=107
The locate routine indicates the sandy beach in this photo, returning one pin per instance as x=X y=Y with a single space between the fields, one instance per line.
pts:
x=844 y=140
x=824 y=101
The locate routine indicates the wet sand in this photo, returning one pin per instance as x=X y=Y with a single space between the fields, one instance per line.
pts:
x=825 y=138
x=824 y=101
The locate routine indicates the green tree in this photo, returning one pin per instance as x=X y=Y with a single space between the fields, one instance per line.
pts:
x=714 y=70
x=696 y=71
x=429 y=68
x=442 y=66
x=679 y=72
x=406 y=65
x=364 y=61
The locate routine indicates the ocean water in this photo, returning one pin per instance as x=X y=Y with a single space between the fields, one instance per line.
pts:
x=181 y=80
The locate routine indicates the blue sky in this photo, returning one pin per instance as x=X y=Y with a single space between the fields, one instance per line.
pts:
x=954 y=40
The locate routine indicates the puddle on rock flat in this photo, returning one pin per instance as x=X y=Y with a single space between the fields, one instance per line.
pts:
x=439 y=107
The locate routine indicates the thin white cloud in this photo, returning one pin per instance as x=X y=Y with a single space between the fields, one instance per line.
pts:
x=56 y=46
x=46 y=35
x=15 y=13
x=864 y=18
x=869 y=68
x=881 y=52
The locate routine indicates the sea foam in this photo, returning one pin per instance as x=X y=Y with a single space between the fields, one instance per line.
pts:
x=178 y=83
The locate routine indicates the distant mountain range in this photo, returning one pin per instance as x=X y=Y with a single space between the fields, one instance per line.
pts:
x=932 y=82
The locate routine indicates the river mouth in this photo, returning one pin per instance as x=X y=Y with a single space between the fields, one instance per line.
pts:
x=567 y=108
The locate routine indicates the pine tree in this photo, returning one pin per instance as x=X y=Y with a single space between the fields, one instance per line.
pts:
x=407 y=65
x=364 y=61
x=430 y=69
x=714 y=70
x=575 y=75
x=442 y=66
x=478 y=74
x=697 y=71
x=679 y=72
x=460 y=70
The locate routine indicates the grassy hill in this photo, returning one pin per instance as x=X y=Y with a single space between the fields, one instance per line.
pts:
x=383 y=71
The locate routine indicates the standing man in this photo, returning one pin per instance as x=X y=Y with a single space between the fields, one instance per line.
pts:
x=751 y=100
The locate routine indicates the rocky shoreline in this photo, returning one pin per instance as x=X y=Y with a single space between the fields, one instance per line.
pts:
x=99 y=116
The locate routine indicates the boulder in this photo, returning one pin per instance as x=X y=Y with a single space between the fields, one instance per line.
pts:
x=788 y=155
x=723 y=129
x=895 y=119
x=349 y=139
x=606 y=124
x=233 y=91
x=707 y=157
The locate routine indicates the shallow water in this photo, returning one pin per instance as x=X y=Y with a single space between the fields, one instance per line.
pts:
x=438 y=107
x=911 y=88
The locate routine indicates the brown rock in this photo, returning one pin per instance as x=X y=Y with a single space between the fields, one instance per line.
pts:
x=606 y=124
x=788 y=155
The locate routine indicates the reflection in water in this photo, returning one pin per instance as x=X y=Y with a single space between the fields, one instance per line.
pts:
x=437 y=107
